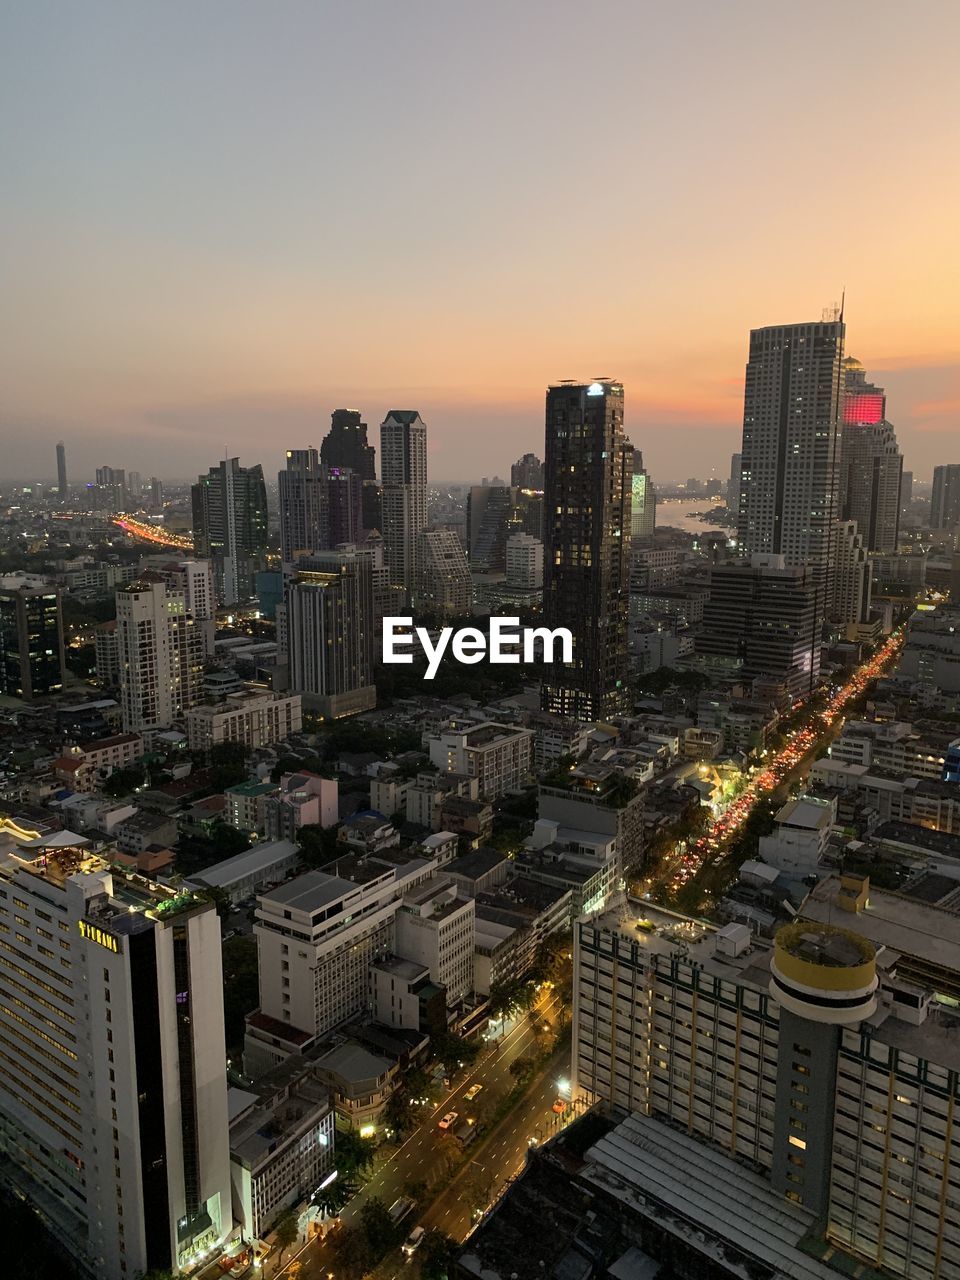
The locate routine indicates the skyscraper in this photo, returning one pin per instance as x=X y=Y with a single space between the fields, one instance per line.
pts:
x=113 y=1093
x=733 y=484
x=403 y=463
x=527 y=472
x=62 y=469
x=870 y=462
x=643 y=502
x=444 y=584
x=111 y=489
x=852 y=580
x=945 y=499
x=32 y=659
x=160 y=653
x=328 y=619
x=304 y=504
x=789 y=497
x=586 y=526
x=345 y=501
x=230 y=527
x=345 y=445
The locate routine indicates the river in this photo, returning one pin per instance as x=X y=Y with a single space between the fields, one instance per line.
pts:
x=680 y=514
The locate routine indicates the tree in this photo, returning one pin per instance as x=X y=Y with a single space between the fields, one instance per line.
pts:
x=453 y=1052
x=379 y=1228
x=438 y=1256
x=331 y=1198
x=286 y=1231
x=318 y=845
x=354 y=1154
x=241 y=990
x=353 y=1253
x=522 y=1069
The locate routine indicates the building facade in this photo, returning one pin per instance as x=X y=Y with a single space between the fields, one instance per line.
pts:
x=230 y=527
x=444 y=584
x=160 y=654
x=32 y=659
x=403 y=462
x=871 y=462
x=945 y=498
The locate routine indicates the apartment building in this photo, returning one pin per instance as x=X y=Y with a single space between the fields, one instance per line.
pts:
x=435 y=928
x=498 y=756
x=302 y=799
x=820 y=1059
x=113 y=1096
x=84 y=767
x=246 y=803
x=894 y=747
x=160 y=654
x=253 y=718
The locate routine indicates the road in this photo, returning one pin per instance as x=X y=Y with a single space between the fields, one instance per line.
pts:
x=430 y=1153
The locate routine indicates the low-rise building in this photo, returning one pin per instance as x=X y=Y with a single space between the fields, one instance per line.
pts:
x=85 y=767
x=257 y=719
x=146 y=828
x=360 y=1084
x=246 y=873
x=303 y=799
x=799 y=839
x=246 y=804
x=479 y=871
x=499 y=756
x=435 y=927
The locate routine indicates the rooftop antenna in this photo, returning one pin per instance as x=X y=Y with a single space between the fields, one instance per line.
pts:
x=843 y=301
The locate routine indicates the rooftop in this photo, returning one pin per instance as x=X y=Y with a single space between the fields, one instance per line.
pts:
x=805 y=812
x=259 y=858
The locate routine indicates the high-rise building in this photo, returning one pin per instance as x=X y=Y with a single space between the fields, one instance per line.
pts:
x=733 y=484
x=113 y=1092
x=524 y=562
x=230 y=527
x=160 y=654
x=345 y=500
x=764 y=619
x=825 y=1059
x=489 y=518
x=527 y=472
x=328 y=620
x=110 y=493
x=134 y=486
x=444 y=584
x=643 y=502
x=871 y=462
x=403 y=464
x=62 y=470
x=304 y=505
x=32 y=660
x=586 y=528
x=852 y=579
x=790 y=455
x=906 y=490
x=945 y=498
x=194 y=579
x=345 y=445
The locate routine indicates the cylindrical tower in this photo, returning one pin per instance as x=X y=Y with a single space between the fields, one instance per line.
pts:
x=824 y=973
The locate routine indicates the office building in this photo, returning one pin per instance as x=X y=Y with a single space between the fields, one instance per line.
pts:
x=403 y=464
x=304 y=505
x=328 y=619
x=62 y=471
x=490 y=520
x=524 y=562
x=156 y=494
x=527 y=472
x=435 y=928
x=906 y=490
x=643 y=502
x=113 y=1094
x=444 y=584
x=764 y=619
x=945 y=498
x=852 y=580
x=345 y=500
x=871 y=462
x=790 y=455
x=160 y=655
x=821 y=1060
x=134 y=487
x=253 y=717
x=586 y=528
x=32 y=661
x=230 y=527
x=345 y=445
x=733 y=484
x=110 y=493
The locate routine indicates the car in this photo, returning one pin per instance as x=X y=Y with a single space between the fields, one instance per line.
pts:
x=413 y=1241
x=231 y=933
x=472 y=1092
x=448 y=1120
x=560 y=1106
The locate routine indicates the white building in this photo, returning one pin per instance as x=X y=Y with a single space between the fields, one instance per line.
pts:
x=194 y=578
x=86 y=766
x=113 y=1094
x=160 y=655
x=242 y=875
x=799 y=840
x=498 y=756
x=524 y=557
x=435 y=928
x=257 y=719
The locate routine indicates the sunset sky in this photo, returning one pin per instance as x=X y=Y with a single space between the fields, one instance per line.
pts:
x=223 y=219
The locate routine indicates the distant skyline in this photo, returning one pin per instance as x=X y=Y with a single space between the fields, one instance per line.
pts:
x=222 y=222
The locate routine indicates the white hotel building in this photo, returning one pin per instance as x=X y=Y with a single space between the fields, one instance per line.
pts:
x=113 y=1097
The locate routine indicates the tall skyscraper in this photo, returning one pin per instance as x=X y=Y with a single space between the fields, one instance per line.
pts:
x=345 y=445
x=345 y=499
x=304 y=505
x=789 y=496
x=403 y=464
x=113 y=1093
x=643 y=502
x=870 y=462
x=733 y=484
x=32 y=659
x=945 y=499
x=527 y=472
x=230 y=527
x=328 y=623
x=444 y=583
x=852 y=580
x=586 y=526
x=906 y=490
x=111 y=489
x=156 y=494
x=160 y=653
x=62 y=469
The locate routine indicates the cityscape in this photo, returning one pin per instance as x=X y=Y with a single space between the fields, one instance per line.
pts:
x=548 y=871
